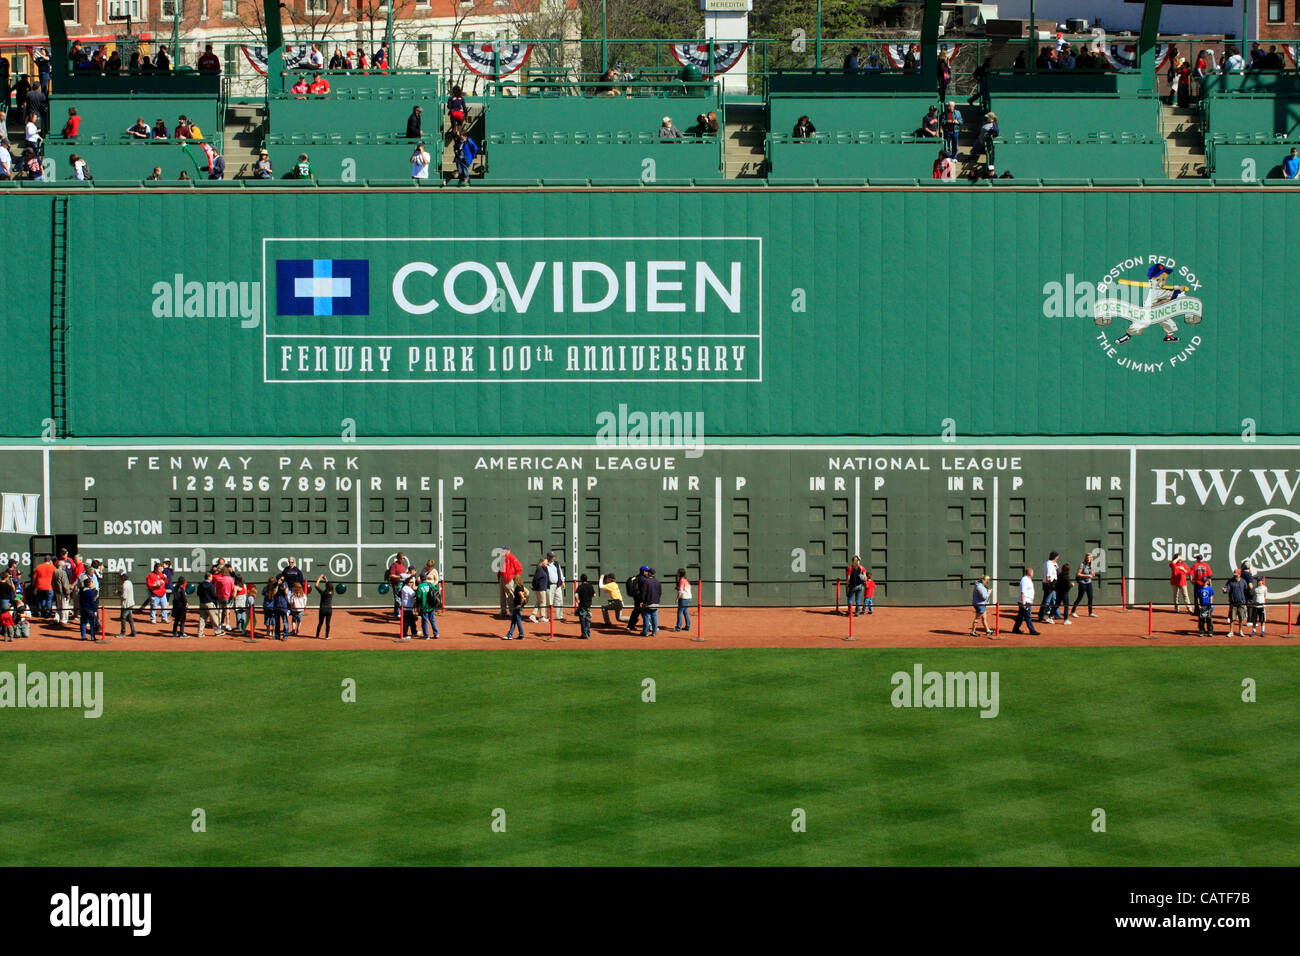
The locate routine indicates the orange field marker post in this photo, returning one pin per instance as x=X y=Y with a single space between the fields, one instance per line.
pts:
x=997 y=618
x=850 y=637
x=1289 y=618
x=1123 y=594
x=837 y=597
x=1149 y=613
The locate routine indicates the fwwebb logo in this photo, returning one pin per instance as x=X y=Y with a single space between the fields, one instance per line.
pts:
x=322 y=287
x=1267 y=549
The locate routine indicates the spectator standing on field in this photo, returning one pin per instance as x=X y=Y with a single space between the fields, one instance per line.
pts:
x=62 y=592
x=1063 y=585
x=511 y=569
x=244 y=595
x=1025 y=603
x=856 y=579
x=1050 y=572
x=1083 y=579
x=224 y=584
x=269 y=617
x=206 y=592
x=1179 y=574
x=1205 y=608
x=869 y=592
x=1258 y=607
x=297 y=605
x=180 y=607
x=542 y=586
x=651 y=592
x=518 y=601
x=979 y=599
x=585 y=594
x=556 y=575
x=89 y=600
x=156 y=584
x=1201 y=573
x=1236 y=591
x=426 y=600
x=396 y=575
x=43 y=584
x=683 y=601
x=127 y=605
x=635 y=591
x=613 y=600
x=408 y=607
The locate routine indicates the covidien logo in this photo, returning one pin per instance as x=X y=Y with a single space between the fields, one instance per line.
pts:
x=322 y=287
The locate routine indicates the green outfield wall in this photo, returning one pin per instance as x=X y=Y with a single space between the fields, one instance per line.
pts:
x=480 y=313
x=769 y=524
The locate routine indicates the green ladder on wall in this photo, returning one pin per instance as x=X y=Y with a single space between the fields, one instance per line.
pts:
x=59 y=318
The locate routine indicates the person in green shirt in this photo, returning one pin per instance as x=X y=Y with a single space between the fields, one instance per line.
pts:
x=428 y=598
x=302 y=168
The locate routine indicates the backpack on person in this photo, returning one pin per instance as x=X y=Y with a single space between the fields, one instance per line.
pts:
x=633 y=585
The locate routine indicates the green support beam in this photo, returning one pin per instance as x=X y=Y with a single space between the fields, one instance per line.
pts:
x=58 y=39
x=274 y=43
x=930 y=36
x=1146 y=61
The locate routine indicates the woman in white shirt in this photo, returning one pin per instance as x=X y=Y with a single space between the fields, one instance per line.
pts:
x=420 y=163
x=79 y=167
x=297 y=604
x=683 y=601
x=1258 y=607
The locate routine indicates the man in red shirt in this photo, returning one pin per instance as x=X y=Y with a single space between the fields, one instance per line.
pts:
x=155 y=583
x=1179 y=572
x=510 y=570
x=319 y=86
x=208 y=62
x=43 y=585
x=1201 y=572
x=396 y=572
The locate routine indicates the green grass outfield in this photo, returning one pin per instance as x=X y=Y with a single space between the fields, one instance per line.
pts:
x=710 y=773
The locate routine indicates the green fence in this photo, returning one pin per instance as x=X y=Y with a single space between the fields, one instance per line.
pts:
x=473 y=312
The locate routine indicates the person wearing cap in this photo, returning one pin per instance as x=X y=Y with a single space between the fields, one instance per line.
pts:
x=930 y=123
x=413 y=125
x=420 y=162
x=556 y=575
x=507 y=575
x=319 y=86
x=1050 y=570
x=262 y=168
x=1205 y=608
x=668 y=130
x=988 y=132
x=396 y=575
x=1157 y=294
x=1201 y=572
x=635 y=588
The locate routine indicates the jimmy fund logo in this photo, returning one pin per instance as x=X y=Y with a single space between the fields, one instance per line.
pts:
x=1142 y=292
x=1269 y=540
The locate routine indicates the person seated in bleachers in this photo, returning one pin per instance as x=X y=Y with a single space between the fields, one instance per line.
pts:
x=183 y=176
x=301 y=88
x=78 y=56
x=208 y=62
x=873 y=63
x=930 y=123
x=668 y=131
x=1291 y=165
x=302 y=168
x=1019 y=65
x=713 y=123
x=80 y=171
x=262 y=168
x=113 y=65
x=1045 y=59
x=139 y=129
x=803 y=129
x=944 y=167
x=73 y=126
x=414 y=125
x=191 y=130
x=337 y=62
x=607 y=85
x=156 y=175
x=133 y=64
x=316 y=58
x=161 y=62
x=912 y=59
x=851 y=61
x=159 y=130
x=32 y=168
x=319 y=86
x=97 y=61
x=1232 y=61
x=1066 y=60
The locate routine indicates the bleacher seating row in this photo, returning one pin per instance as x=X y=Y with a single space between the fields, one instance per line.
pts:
x=111 y=115
x=1249 y=122
x=132 y=159
x=1020 y=182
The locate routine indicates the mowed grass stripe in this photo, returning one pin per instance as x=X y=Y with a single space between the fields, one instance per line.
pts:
x=709 y=773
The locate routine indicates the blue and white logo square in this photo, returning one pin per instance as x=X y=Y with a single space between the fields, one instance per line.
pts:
x=322 y=287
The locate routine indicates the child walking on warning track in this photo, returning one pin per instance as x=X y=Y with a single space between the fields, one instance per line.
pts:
x=1205 y=608
x=519 y=602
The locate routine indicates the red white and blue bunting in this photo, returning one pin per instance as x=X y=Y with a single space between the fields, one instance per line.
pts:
x=1124 y=56
x=480 y=58
x=696 y=54
x=294 y=57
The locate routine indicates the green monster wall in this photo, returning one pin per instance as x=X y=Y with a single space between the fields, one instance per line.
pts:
x=775 y=313
x=768 y=525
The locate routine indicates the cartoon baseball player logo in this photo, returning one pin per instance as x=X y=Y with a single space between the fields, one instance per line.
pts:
x=1162 y=303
